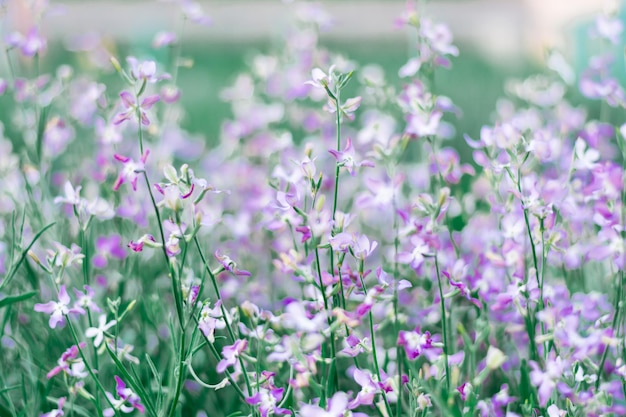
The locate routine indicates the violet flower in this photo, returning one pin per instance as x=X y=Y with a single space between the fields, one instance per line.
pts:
x=58 y=309
x=414 y=342
x=70 y=363
x=86 y=299
x=230 y=265
x=231 y=354
x=128 y=401
x=108 y=247
x=57 y=412
x=130 y=171
x=267 y=401
x=129 y=102
x=346 y=158
x=369 y=388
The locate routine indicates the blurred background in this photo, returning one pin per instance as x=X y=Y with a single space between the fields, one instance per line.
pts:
x=498 y=39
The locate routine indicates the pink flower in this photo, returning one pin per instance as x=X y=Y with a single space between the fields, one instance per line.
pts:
x=70 y=363
x=414 y=343
x=346 y=158
x=129 y=102
x=130 y=171
x=126 y=396
x=369 y=388
x=58 y=309
x=58 y=412
x=231 y=354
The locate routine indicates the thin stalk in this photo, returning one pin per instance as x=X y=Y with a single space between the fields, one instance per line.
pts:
x=444 y=325
x=181 y=374
x=374 y=354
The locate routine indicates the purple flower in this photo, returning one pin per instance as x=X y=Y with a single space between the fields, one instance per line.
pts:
x=414 y=343
x=58 y=309
x=129 y=102
x=108 y=247
x=70 y=363
x=547 y=380
x=86 y=299
x=162 y=39
x=346 y=158
x=267 y=400
x=230 y=265
x=211 y=319
x=369 y=388
x=130 y=171
x=144 y=71
x=31 y=44
x=58 y=412
x=3 y=86
x=126 y=396
x=609 y=28
x=464 y=390
x=231 y=354
x=138 y=245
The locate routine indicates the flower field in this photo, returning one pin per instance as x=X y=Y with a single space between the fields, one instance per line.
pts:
x=332 y=255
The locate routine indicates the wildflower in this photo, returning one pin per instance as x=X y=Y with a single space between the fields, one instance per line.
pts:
x=162 y=39
x=144 y=71
x=98 y=332
x=57 y=309
x=30 y=45
x=322 y=80
x=230 y=265
x=346 y=158
x=414 y=342
x=107 y=247
x=267 y=401
x=70 y=363
x=86 y=299
x=231 y=354
x=129 y=102
x=130 y=171
x=464 y=390
x=336 y=407
x=211 y=319
x=369 y=388
x=138 y=245
x=57 y=412
x=126 y=395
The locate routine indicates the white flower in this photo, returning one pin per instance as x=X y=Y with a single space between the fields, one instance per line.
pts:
x=98 y=332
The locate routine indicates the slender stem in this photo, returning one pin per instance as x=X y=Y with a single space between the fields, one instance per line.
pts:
x=396 y=321
x=181 y=374
x=444 y=326
x=374 y=354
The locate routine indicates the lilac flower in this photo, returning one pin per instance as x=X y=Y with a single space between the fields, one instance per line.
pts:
x=363 y=247
x=416 y=256
x=231 y=354
x=130 y=171
x=162 y=39
x=144 y=71
x=31 y=44
x=57 y=309
x=129 y=102
x=337 y=406
x=70 y=363
x=464 y=390
x=170 y=94
x=346 y=158
x=369 y=389
x=341 y=242
x=126 y=396
x=322 y=80
x=138 y=245
x=211 y=319
x=98 y=332
x=414 y=342
x=547 y=380
x=108 y=247
x=230 y=265
x=267 y=401
x=58 y=412
x=193 y=11
x=86 y=299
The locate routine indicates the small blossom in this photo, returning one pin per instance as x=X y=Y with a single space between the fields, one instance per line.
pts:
x=129 y=102
x=126 y=396
x=70 y=363
x=98 y=332
x=86 y=299
x=346 y=158
x=162 y=39
x=108 y=247
x=231 y=354
x=230 y=265
x=58 y=412
x=267 y=401
x=414 y=343
x=130 y=171
x=57 y=309
x=138 y=245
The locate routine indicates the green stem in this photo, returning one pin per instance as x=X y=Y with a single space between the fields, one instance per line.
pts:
x=444 y=326
x=181 y=374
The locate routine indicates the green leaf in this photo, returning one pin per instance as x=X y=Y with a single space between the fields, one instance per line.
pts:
x=7 y=301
